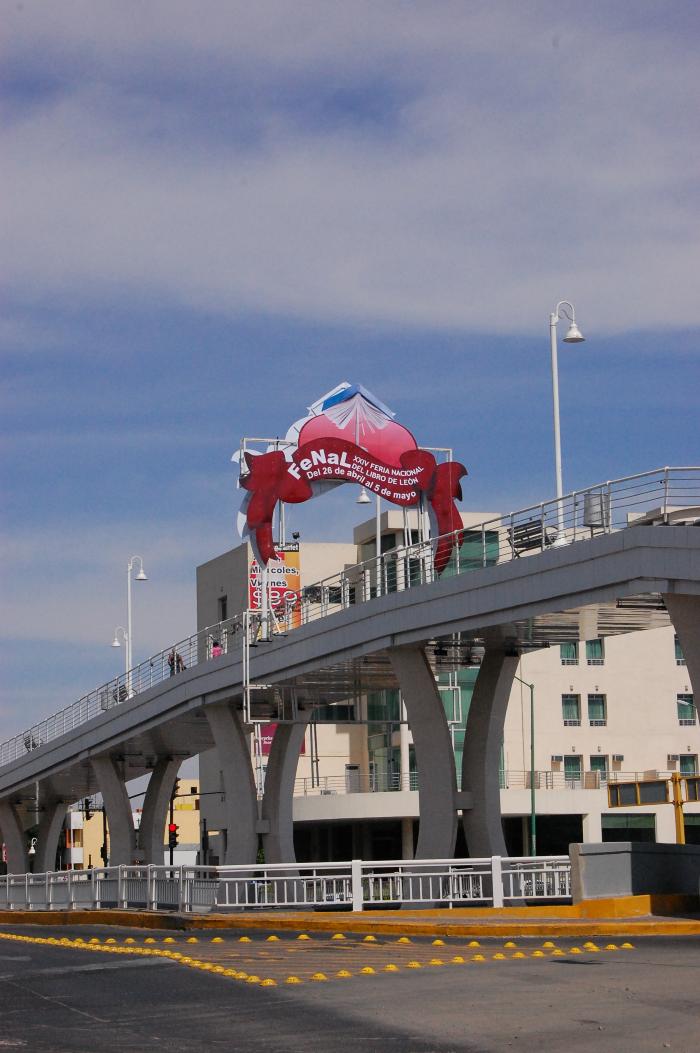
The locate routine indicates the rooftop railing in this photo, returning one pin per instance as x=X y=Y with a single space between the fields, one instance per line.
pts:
x=665 y=496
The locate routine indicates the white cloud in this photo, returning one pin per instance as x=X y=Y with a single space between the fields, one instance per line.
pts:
x=490 y=189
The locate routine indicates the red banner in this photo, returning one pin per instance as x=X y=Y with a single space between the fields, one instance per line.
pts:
x=271 y=478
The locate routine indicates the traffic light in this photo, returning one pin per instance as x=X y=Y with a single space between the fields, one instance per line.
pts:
x=172 y=835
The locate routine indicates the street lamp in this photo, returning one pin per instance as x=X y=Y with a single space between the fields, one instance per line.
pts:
x=116 y=642
x=141 y=576
x=533 y=814
x=573 y=336
x=365 y=499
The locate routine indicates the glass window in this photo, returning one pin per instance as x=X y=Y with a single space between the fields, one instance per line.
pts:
x=595 y=654
x=223 y=608
x=571 y=710
x=688 y=764
x=475 y=551
x=596 y=710
x=572 y=768
x=680 y=657
x=599 y=764
x=568 y=652
x=686 y=709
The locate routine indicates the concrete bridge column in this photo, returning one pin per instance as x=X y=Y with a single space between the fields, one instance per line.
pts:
x=122 y=836
x=278 y=801
x=155 y=809
x=685 y=615
x=437 y=781
x=241 y=807
x=482 y=749
x=50 y=826
x=15 y=839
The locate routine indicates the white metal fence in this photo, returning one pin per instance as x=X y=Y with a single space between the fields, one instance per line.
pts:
x=356 y=885
x=665 y=496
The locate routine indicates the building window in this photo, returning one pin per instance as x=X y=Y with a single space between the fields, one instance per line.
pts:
x=595 y=654
x=568 y=652
x=572 y=768
x=571 y=710
x=223 y=608
x=680 y=658
x=686 y=710
x=688 y=763
x=596 y=711
x=599 y=765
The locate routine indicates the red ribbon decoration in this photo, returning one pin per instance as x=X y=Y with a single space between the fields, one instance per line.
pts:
x=272 y=478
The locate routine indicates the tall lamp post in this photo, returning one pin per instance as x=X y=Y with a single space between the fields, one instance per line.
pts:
x=573 y=336
x=141 y=576
x=533 y=813
x=365 y=499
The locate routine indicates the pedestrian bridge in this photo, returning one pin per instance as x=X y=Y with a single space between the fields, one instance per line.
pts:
x=618 y=557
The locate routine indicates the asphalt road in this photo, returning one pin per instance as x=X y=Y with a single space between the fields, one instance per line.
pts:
x=64 y=998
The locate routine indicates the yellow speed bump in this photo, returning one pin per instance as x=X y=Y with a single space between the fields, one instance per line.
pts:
x=192 y=939
x=292 y=980
x=253 y=980
x=369 y=939
x=591 y=946
x=575 y=950
x=94 y=940
x=436 y=961
x=538 y=954
x=130 y=939
x=244 y=939
x=414 y=965
x=149 y=939
x=337 y=936
x=269 y=982
x=610 y=946
x=391 y=968
x=169 y=939
x=438 y=943
x=627 y=946
x=498 y=956
x=558 y=953
x=478 y=958
x=319 y=976
x=518 y=954
x=548 y=945
x=273 y=939
x=367 y=970
x=403 y=939
x=303 y=936
x=473 y=943
x=343 y=974
x=458 y=959
x=217 y=939
x=509 y=944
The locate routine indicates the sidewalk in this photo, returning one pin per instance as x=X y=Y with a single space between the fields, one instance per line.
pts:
x=622 y=916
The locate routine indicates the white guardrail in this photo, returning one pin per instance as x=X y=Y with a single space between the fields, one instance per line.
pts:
x=355 y=885
x=664 y=496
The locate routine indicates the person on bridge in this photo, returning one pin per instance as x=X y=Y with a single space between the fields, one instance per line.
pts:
x=175 y=662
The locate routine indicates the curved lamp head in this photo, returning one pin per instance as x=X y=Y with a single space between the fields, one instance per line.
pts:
x=142 y=577
x=364 y=498
x=115 y=642
x=574 y=335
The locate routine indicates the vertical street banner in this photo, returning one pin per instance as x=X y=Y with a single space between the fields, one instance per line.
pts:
x=283 y=584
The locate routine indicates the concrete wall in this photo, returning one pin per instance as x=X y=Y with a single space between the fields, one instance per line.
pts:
x=628 y=869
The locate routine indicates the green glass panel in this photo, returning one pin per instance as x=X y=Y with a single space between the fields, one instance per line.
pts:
x=594 y=650
x=596 y=707
x=570 y=707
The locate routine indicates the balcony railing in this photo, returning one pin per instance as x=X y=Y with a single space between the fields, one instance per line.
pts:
x=673 y=494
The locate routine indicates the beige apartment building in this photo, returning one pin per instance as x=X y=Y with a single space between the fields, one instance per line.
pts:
x=603 y=710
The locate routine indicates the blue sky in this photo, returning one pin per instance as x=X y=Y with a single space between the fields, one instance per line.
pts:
x=214 y=213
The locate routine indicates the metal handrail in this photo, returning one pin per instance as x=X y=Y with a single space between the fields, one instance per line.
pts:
x=601 y=509
x=353 y=884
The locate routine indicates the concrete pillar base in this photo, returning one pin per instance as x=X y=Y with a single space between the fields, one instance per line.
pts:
x=241 y=809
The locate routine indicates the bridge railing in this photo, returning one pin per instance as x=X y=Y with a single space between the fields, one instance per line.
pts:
x=662 y=496
x=354 y=885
